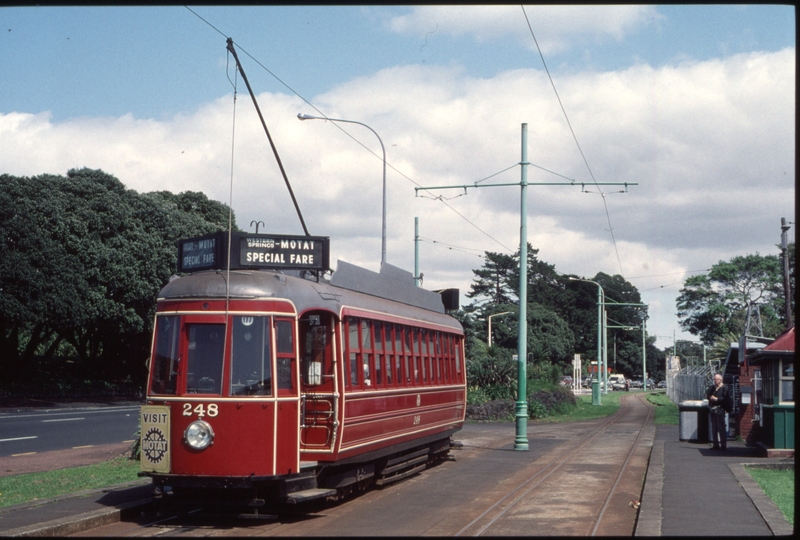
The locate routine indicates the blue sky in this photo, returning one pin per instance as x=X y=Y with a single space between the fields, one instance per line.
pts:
x=158 y=61
x=695 y=104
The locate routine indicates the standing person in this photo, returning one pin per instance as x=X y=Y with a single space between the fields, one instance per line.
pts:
x=719 y=400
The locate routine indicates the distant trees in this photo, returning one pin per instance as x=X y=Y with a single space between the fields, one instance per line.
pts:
x=82 y=259
x=562 y=318
x=716 y=304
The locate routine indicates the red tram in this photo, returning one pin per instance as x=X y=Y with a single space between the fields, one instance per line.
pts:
x=272 y=385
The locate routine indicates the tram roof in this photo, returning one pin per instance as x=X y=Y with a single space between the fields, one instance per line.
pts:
x=388 y=292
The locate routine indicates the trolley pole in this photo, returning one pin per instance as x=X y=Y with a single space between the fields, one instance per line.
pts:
x=521 y=408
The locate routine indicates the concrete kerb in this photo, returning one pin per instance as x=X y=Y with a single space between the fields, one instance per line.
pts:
x=768 y=510
x=648 y=522
x=78 y=522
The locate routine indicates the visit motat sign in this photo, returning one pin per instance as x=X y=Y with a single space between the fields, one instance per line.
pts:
x=268 y=251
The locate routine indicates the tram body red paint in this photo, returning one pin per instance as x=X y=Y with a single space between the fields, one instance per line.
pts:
x=260 y=377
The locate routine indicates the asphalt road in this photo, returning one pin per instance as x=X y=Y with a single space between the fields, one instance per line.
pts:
x=43 y=430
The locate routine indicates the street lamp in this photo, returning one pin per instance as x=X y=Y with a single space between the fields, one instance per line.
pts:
x=302 y=116
x=490 y=324
x=600 y=355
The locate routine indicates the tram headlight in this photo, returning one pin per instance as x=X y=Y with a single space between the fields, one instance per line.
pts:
x=199 y=435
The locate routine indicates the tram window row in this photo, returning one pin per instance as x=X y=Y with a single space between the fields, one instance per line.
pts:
x=386 y=355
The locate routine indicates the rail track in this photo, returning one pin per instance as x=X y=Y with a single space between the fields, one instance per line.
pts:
x=578 y=479
x=535 y=496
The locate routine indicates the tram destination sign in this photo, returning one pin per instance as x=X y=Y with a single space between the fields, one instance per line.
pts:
x=202 y=253
x=294 y=252
x=267 y=251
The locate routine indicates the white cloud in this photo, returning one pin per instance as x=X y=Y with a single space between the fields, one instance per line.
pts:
x=556 y=27
x=711 y=145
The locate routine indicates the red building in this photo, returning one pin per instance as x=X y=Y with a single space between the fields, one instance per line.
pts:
x=766 y=400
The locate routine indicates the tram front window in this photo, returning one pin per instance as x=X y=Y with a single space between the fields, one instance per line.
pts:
x=165 y=360
x=251 y=366
x=205 y=355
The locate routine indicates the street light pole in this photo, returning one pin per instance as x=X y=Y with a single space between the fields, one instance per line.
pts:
x=302 y=116
x=600 y=333
x=490 y=324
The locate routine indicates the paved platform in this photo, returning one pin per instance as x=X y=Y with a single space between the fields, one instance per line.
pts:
x=692 y=490
x=689 y=490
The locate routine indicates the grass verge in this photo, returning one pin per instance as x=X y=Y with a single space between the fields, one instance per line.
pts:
x=666 y=411
x=30 y=487
x=778 y=484
x=584 y=410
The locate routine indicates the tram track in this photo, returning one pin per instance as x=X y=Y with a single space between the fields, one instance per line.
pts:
x=577 y=480
x=488 y=522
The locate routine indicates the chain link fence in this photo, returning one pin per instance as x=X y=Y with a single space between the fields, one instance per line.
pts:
x=690 y=383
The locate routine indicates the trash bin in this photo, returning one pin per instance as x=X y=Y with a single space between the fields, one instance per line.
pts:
x=693 y=421
x=595 y=392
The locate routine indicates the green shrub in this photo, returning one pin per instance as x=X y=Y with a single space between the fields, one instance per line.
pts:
x=536 y=409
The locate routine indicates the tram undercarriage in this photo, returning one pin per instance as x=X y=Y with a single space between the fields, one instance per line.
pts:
x=273 y=494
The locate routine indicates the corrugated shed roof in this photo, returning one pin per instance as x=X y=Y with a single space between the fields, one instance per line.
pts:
x=784 y=342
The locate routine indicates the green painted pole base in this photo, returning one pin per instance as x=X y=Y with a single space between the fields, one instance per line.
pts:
x=521 y=440
x=596 y=392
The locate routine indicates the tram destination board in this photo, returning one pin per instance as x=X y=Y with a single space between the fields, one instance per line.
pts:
x=267 y=251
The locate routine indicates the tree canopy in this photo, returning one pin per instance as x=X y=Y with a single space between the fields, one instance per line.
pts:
x=82 y=259
x=561 y=312
x=715 y=304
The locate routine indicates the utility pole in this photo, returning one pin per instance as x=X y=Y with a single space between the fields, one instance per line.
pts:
x=417 y=280
x=521 y=411
x=786 y=285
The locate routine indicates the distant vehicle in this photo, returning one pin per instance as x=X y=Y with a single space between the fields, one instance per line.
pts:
x=661 y=384
x=617 y=382
x=566 y=381
x=636 y=383
x=651 y=383
x=587 y=382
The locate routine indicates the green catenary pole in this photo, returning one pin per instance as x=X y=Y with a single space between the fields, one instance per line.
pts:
x=521 y=412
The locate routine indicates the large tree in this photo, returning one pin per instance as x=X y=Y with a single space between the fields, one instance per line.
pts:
x=711 y=305
x=81 y=261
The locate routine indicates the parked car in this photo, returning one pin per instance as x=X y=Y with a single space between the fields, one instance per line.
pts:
x=617 y=382
x=587 y=382
x=566 y=381
x=661 y=384
x=636 y=383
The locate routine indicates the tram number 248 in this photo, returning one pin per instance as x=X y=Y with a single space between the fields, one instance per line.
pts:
x=201 y=410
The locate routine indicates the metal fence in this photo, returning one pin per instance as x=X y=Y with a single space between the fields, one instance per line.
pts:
x=690 y=383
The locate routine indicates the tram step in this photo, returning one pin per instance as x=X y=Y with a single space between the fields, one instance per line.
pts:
x=404 y=464
x=406 y=457
x=388 y=480
x=309 y=495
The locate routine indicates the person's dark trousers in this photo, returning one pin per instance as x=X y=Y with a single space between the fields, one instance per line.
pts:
x=719 y=429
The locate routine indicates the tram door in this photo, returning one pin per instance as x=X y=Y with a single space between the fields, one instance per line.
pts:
x=319 y=412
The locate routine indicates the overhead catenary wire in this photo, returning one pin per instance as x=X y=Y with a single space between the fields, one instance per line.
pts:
x=389 y=165
x=575 y=138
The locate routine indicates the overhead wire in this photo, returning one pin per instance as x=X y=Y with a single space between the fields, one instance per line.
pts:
x=293 y=91
x=575 y=138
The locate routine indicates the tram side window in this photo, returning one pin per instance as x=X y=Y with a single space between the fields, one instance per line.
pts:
x=377 y=328
x=164 y=368
x=284 y=346
x=251 y=359
x=398 y=355
x=366 y=350
x=352 y=347
x=458 y=361
x=204 y=359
